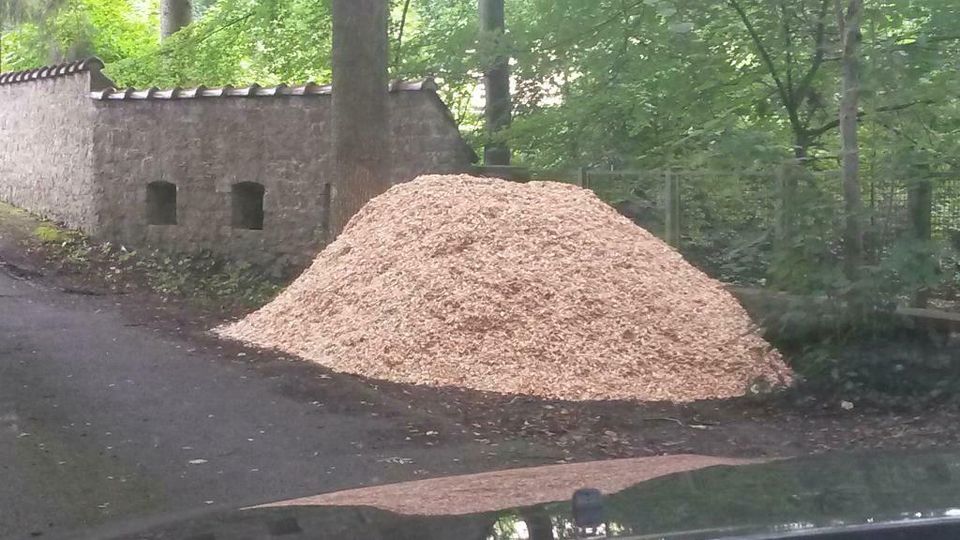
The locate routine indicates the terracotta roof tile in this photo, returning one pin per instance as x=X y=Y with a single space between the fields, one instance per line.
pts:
x=46 y=72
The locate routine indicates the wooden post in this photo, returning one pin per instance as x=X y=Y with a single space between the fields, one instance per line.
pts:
x=583 y=180
x=920 y=203
x=920 y=207
x=672 y=203
x=786 y=178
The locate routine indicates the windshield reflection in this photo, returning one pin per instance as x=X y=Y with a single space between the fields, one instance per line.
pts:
x=778 y=496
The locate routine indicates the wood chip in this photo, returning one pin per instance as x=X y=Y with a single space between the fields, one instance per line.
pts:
x=539 y=289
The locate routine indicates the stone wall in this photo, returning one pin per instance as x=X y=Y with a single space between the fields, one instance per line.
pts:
x=425 y=137
x=46 y=143
x=101 y=161
x=204 y=148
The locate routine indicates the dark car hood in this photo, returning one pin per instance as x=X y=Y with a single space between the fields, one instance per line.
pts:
x=793 y=494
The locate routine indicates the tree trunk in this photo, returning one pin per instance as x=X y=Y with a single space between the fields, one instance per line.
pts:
x=360 y=111
x=496 y=82
x=174 y=15
x=849 y=22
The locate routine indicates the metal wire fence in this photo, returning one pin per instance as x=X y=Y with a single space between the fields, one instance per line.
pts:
x=728 y=220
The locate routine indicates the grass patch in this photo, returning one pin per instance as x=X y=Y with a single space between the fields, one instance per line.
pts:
x=51 y=234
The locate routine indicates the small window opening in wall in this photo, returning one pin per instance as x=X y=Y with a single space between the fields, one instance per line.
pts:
x=161 y=203
x=247 y=199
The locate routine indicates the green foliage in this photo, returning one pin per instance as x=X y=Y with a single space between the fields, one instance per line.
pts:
x=901 y=366
x=206 y=276
x=597 y=82
x=50 y=234
x=111 y=29
x=238 y=42
x=849 y=342
x=201 y=277
x=70 y=247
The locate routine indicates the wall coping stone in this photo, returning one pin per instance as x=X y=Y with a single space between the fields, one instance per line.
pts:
x=254 y=90
x=49 y=72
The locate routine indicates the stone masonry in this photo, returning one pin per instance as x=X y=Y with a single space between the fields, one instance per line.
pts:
x=245 y=173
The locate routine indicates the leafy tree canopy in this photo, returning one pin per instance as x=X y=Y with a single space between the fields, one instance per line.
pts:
x=597 y=82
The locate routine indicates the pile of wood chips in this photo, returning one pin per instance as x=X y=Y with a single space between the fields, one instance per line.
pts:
x=538 y=289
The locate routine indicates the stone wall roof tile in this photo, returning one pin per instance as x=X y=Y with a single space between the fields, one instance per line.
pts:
x=47 y=72
x=254 y=90
x=131 y=94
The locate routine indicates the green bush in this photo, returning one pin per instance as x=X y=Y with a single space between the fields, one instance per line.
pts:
x=859 y=350
x=900 y=367
x=204 y=275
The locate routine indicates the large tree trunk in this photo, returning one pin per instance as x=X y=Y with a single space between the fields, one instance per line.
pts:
x=496 y=82
x=361 y=119
x=849 y=20
x=174 y=15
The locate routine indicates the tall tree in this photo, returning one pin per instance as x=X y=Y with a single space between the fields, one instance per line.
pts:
x=848 y=19
x=361 y=115
x=174 y=15
x=496 y=81
x=794 y=82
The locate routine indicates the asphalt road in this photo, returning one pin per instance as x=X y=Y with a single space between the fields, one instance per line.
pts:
x=103 y=421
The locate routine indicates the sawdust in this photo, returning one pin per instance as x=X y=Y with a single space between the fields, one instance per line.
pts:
x=537 y=288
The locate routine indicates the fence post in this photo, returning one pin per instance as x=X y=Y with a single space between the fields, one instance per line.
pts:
x=920 y=202
x=786 y=191
x=920 y=207
x=672 y=200
x=583 y=179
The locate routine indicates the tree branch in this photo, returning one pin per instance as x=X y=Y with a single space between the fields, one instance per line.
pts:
x=929 y=39
x=936 y=39
x=833 y=124
x=817 y=60
x=403 y=24
x=899 y=132
x=785 y=96
x=233 y=22
x=788 y=48
x=592 y=31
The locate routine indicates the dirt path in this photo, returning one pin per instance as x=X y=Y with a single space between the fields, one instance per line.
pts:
x=101 y=419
